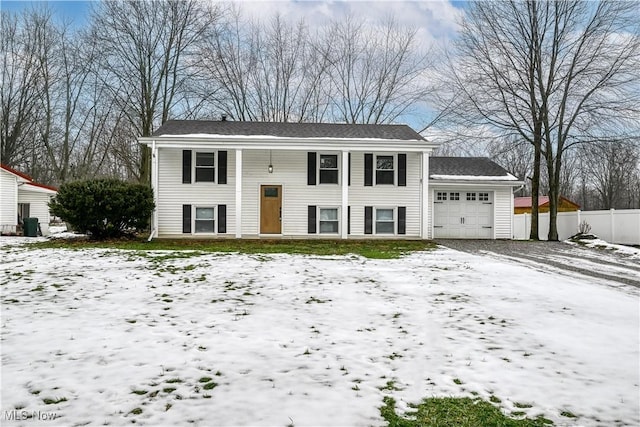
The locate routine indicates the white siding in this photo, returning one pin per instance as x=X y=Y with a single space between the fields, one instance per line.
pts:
x=385 y=195
x=172 y=193
x=8 y=201
x=502 y=213
x=38 y=206
x=290 y=171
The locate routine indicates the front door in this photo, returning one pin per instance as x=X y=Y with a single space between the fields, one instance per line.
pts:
x=270 y=209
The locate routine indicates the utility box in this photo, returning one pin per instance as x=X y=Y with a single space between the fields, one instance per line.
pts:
x=30 y=227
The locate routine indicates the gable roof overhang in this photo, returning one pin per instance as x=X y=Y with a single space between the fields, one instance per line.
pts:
x=21 y=177
x=474 y=183
x=26 y=183
x=265 y=142
x=210 y=134
x=37 y=188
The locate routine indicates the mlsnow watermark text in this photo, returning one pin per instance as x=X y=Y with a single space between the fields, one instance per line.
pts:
x=22 y=415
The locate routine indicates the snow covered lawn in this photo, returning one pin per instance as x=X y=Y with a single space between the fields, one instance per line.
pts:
x=106 y=337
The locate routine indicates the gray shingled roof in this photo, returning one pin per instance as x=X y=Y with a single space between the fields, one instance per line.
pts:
x=289 y=130
x=466 y=166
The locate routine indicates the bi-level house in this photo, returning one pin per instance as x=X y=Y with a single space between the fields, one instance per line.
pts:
x=215 y=179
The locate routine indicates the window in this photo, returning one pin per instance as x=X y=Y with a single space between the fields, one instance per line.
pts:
x=471 y=197
x=384 y=170
x=328 y=169
x=454 y=196
x=329 y=221
x=441 y=195
x=205 y=220
x=384 y=221
x=483 y=197
x=205 y=167
x=23 y=212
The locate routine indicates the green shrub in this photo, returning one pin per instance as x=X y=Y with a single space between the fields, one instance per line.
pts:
x=104 y=208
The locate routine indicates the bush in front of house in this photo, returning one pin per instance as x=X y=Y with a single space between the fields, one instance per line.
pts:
x=104 y=208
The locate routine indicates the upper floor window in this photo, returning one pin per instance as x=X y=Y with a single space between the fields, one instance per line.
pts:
x=385 y=171
x=205 y=167
x=328 y=169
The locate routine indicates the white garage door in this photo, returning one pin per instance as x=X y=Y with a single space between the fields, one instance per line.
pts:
x=463 y=214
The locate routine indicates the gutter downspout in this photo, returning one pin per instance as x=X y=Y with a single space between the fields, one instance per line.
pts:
x=154 y=187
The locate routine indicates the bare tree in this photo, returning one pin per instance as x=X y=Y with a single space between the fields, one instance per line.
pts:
x=378 y=72
x=555 y=73
x=144 y=44
x=21 y=90
x=613 y=168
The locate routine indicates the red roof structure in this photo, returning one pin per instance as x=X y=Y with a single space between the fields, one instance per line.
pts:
x=27 y=178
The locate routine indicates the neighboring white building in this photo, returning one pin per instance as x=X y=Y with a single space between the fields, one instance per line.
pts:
x=309 y=180
x=21 y=197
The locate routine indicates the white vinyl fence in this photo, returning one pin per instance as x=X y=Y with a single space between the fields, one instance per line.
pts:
x=614 y=226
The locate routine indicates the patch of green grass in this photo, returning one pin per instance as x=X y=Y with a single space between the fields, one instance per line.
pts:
x=169 y=389
x=49 y=401
x=454 y=412
x=139 y=392
x=379 y=249
x=205 y=379
x=568 y=414
x=136 y=411
x=391 y=386
x=174 y=380
x=210 y=385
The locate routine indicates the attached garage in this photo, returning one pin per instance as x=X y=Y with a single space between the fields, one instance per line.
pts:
x=463 y=214
x=471 y=198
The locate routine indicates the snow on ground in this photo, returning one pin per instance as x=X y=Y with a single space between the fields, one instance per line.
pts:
x=175 y=338
x=633 y=252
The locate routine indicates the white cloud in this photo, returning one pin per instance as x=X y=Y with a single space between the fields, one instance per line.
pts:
x=434 y=20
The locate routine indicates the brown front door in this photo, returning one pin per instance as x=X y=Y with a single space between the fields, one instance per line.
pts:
x=270 y=209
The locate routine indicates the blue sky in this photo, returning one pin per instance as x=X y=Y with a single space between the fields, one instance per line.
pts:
x=434 y=18
x=76 y=11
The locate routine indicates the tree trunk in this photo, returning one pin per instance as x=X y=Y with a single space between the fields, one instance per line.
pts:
x=535 y=190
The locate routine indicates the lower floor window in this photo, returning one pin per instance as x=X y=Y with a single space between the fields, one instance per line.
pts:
x=384 y=221
x=329 y=220
x=205 y=222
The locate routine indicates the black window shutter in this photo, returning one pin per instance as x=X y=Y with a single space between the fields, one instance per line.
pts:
x=368 y=220
x=402 y=220
x=311 y=225
x=349 y=217
x=311 y=168
x=222 y=218
x=186 y=218
x=402 y=170
x=222 y=167
x=368 y=169
x=186 y=166
x=349 y=169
